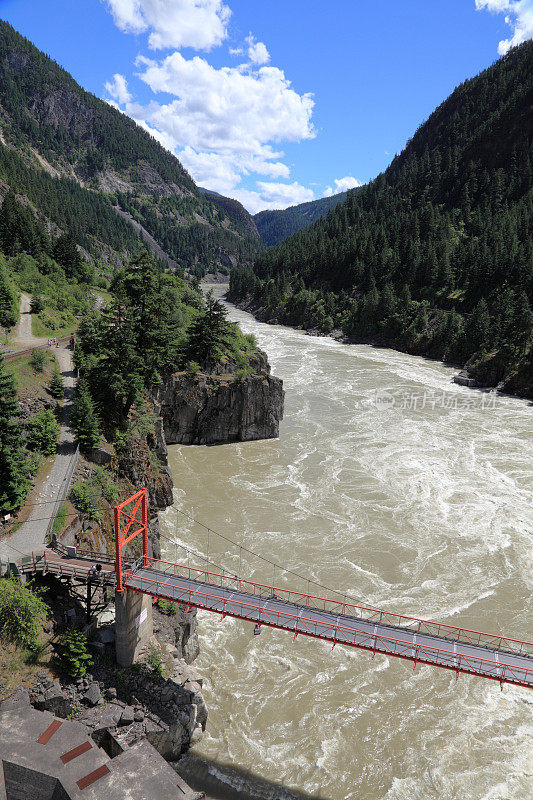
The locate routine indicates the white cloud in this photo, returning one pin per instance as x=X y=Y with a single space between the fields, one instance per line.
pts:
x=211 y=170
x=518 y=16
x=223 y=124
x=257 y=51
x=342 y=185
x=272 y=196
x=227 y=110
x=200 y=24
x=118 y=88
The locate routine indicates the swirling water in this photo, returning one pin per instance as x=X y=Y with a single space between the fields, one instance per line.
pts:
x=395 y=486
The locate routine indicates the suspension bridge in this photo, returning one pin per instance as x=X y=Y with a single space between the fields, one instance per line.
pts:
x=334 y=621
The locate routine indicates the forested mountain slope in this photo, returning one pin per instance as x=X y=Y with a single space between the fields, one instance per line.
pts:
x=243 y=221
x=435 y=256
x=75 y=158
x=275 y=226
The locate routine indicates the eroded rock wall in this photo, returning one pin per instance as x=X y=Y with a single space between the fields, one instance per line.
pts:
x=213 y=409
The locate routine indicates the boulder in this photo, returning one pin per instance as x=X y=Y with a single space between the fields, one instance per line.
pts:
x=127 y=717
x=55 y=700
x=93 y=695
x=101 y=455
x=207 y=409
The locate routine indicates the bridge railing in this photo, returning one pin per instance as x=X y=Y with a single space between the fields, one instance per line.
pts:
x=415 y=625
x=332 y=631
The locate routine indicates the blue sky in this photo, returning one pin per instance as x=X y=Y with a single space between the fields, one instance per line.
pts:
x=275 y=102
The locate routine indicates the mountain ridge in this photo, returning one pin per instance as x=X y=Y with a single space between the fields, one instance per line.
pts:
x=55 y=126
x=276 y=225
x=434 y=256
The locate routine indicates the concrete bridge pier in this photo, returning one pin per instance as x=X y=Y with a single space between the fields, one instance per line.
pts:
x=133 y=625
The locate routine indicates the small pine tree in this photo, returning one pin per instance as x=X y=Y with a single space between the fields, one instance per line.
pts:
x=14 y=472
x=56 y=388
x=72 y=656
x=84 y=419
x=38 y=360
x=42 y=432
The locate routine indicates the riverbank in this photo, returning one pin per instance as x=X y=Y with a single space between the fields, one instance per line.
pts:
x=485 y=372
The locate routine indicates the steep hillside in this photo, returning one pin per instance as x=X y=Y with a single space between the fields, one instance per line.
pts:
x=435 y=256
x=275 y=226
x=235 y=211
x=58 y=140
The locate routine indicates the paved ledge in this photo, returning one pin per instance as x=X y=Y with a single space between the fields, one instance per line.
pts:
x=44 y=758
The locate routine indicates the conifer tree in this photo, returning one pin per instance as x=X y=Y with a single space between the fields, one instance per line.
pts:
x=56 y=388
x=208 y=335
x=14 y=477
x=71 y=653
x=42 y=432
x=522 y=322
x=478 y=327
x=84 y=419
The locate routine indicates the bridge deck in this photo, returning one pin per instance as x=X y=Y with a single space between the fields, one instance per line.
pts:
x=64 y=566
x=496 y=663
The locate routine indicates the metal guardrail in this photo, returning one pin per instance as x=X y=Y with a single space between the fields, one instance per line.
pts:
x=63 y=494
x=74 y=568
x=335 y=628
x=81 y=553
x=10 y=355
x=441 y=630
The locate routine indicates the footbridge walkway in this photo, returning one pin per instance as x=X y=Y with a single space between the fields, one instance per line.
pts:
x=337 y=622
x=489 y=656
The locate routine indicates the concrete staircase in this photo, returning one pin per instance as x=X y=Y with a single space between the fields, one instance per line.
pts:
x=42 y=756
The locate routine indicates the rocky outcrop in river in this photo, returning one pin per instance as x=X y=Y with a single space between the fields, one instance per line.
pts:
x=218 y=408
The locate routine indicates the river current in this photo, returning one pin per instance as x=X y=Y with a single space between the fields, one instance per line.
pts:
x=405 y=491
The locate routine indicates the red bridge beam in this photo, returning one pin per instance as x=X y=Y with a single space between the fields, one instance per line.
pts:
x=369 y=614
x=129 y=510
x=336 y=633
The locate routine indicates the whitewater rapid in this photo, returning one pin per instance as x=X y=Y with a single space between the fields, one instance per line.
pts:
x=405 y=491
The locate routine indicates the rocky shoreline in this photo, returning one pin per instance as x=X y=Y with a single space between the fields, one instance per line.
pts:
x=484 y=374
x=160 y=698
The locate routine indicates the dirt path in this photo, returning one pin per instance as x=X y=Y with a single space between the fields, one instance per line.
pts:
x=30 y=537
x=23 y=335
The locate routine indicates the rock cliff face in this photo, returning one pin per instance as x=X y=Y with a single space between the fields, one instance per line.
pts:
x=144 y=463
x=212 y=409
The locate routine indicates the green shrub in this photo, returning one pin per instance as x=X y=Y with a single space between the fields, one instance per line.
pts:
x=166 y=607
x=56 y=388
x=155 y=661
x=243 y=373
x=36 y=304
x=192 y=368
x=38 y=360
x=59 y=521
x=108 y=488
x=72 y=655
x=42 y=432
x=21 y=614
x=83 y=496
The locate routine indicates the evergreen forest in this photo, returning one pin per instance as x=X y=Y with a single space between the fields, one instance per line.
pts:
x=435 y=256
